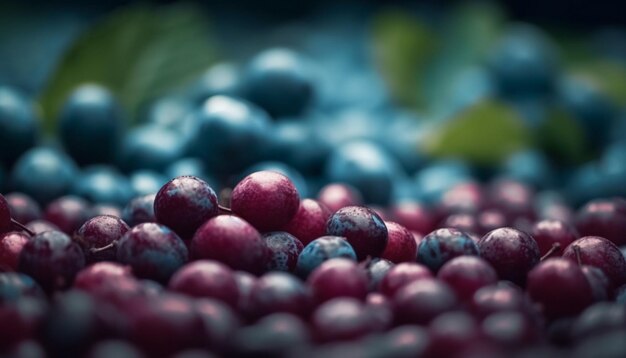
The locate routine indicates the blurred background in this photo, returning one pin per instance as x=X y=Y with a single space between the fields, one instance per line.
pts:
x=402 y=99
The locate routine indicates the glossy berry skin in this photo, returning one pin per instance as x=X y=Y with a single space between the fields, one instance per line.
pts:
x=363 y=229
x=52 y=259
x=39 y=226
x=338 y=277
x=18 y=125
x=23 y=208
x=377 y=269
x=91 y=124
x=401 y=275
x=232 y=241
x=139 y=210
x=68 y=213
x=604 y=218
x=279 y=292
x=184 y=203
x=547 y=233
x=279 y=81
x=601 y=253
x=94 y=277
x=501 y=297
x=442 y=245
x=309 y=223
x=338 y=195
x=43 y=165
x=205 y=278
x=5 y=215
x=285 y=250
x=11 y=245
x=421 y=301
x=98 y=232
x=267 y=200
x=320 y=250
x=153 y=251
x=341 y=319
x=466 y=274
x=401 y=246
x=560 y=287
x=510 y=252
x=414 y=216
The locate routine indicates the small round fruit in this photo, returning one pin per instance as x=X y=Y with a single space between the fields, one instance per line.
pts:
x=309 y=223
x=320 y=250
x=98 y=236
x=510 y=252
x=363 y=229
x=466 y=274
x=548 y=233
x=601 y=253
x=337 y=195
x=401 y=275
x=11 y=245
x=285 y=250
x=442 y=245
x=604 y=218
x=401 y=246
x=338 y=277
x=421 y=301
x=205 y=278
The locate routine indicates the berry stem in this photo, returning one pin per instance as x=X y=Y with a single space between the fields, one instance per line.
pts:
x=224 y=209
x=556 y=246
x=95 y=250
x=577 y=252
x=21 y=226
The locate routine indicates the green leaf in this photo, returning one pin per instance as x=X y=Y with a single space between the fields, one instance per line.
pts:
x=139 y=53
x=610 y=76
x=484 y=134
x=563 y=138
x=403 y=46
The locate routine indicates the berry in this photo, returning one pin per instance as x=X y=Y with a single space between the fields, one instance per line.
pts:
x=144 y=182
x=150 y=147
x=510 y=252
x=401 y=245
x=601 y=253
x=285 y=250
x=338 y=277
x=421 y=301
x=276 y=335
x=341 y=319
x=185 y=203
x=309 y=222
x=15 y=286
x=219 y=321
x=550 y=233
x=554 y=279
x=114 y=348
x=442 y=245
x=501 y=297
x=153 y=251
x=401 y=275
x=377 y=269
x=139 y=210
x=279 y=292
x=23 y=208
x=205 y=278
x=268 y=200
x=11 y=246
x=336 y=196
x=103 y=184
x=509 y=329
x=413 y=216
x=598 y=281
x=68 y=213
x=362 y=228
x=604 y=218
x=39 y=226
x=320 y=250
x=99 y=235
x=96 y=276
x=18 y=125
x=232 y=241
x=451 y=333
x=466 y=274
x=52 y=259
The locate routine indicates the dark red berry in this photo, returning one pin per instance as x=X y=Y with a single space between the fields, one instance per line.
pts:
x=336 y=196
x=68 y=213
x=601 y=253
x=421 y=301
x=413 y=216
x=401 y=245
x=510 y=252
x=338 y=277
x=309 y=223
x=204 y=278
x=99 y=235
x=548 y=233
x=605 y=218
x=11 y=246
x=442 y=245
x=363 y=229
x=277 y=292
x=402 y=274
x=24 y=209
x=285 y=249
x=466 y=274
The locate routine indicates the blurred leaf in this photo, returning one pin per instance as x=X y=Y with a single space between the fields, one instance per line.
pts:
x=609 y=75
x=138 y=52
x=562 y=137
x=484 y=134
x=403 y=46
x=468 y=34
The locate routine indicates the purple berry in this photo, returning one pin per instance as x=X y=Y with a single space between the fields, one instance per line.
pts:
x=336 y=196
x=405 y=341
x=466 y=274
x=11 y=245
x=68 y=213
x=309 y=223
x=376 y=270
x=601 y=253
x=52 y=259
x=232 y=241
x=276 y=335
x=39 y=226
x=401 y=245
x=503 y=296
x=413 y=216
x=140 y=210
x=204 y=278
x=99 y=235
x=490 y=220
x=560 y=288
x=421 y=301
x=219 y=321
x=93 y=277
x=106 y=209
x=268 y=200
x=338 y=277
x=245 y=281
x=553 y=235
x=15 y=286
x=451 y=334
x=279 y=292
x=341 y=319
x=463 y=222
x=285 y=250
x=442 y=245
x=320 y=250
x=5 y=215
x=363 y=229
x=509 y=329
x=604 y=218
x=24 y=209
x=510 y=252
x=184 y=203
x=598 y=281
x=153 y=251
x=401 y=275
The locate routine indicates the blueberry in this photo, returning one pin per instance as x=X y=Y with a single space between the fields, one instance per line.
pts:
x=17 y=285
x=170 y=113
x=103 y=185
x=285 y=250
x=530 y=167
x=43 y=165
x=280 y=81
x=322 y=249
x=194 y=167
x=434 y=180
x=442 y=245
x=220 y=79
x=151 y=147
x=362 y=228
x=91 y=124
x=144 y=182
x=18 y=125
x=139 y=210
